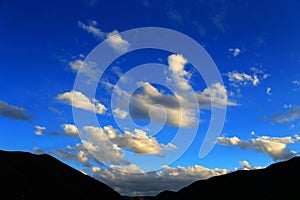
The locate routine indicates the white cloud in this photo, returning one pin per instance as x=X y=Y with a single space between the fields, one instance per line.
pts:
x=237 y=79
x=118 y=43
x=92 y=28
x=139 y=183
x=39 y=130
x=179 y=109
x=252 y=133
x=275 y=147
x=268 y=91
x=89 y=68
x=79 y=100
x=99 y=144
x=217 y=94
x=235 y=51
x=180 y=77
x=70 y=129
x=114 y=39
x=243 y=78
x=138 y=141
x=246 y=165
x=122 y=114
x=297 y=137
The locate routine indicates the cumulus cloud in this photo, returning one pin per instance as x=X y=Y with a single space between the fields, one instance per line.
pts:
x=118 y=43
x=114 y=39
x=79 y=100
x=180 y=77
x=235 y=51
x=179 y=109
x=109 y=139
x=245 y=165
x=39 y=130
x=70 y=130
x=119 y=113
x=287 y=116
x=275 y=147
x=13 y=112
x=217 y=94
x=139 y=183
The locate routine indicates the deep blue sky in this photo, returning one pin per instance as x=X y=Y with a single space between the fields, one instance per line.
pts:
x=254 y=45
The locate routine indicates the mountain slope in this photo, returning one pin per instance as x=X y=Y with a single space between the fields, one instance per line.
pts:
x=279 y=180
x=36 y=177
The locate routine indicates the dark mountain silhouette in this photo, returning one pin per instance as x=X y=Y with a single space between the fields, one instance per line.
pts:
x=279 y=180
x=42 y=177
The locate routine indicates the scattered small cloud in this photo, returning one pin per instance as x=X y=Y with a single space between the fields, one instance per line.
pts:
x=237 y=79
x=290 y=115
x=39 y=130
x=79 y=100
x=296 y=82
x=287 y=106
x=274 y=147
x=13 y=112
x=235 y=51
x=268 y=91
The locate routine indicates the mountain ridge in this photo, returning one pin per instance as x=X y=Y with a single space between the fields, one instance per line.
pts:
x=25 y=175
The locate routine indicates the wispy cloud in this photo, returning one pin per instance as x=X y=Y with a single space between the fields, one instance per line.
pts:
x=275 y=147
x=13 y=112
x=79 y=100
x=91 y=27
x=290 y=115
x=114 y=39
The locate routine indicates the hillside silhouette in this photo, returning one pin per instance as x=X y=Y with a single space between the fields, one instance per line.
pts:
x=42 y=177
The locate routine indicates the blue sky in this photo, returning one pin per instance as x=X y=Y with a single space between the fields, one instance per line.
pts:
x=45 y=46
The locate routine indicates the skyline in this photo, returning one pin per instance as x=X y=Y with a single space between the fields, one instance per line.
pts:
x=47 y=47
